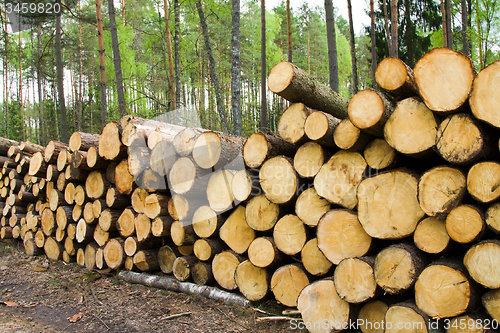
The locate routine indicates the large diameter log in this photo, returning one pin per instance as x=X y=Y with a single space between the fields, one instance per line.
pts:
x=412 y=128
x=319 y=302
x=372 y=317
x=443 y=290
x=125 y=223
x=295 y=85
x=408 y=316
x=369 y=111
x=482 y=181
x=147 y=260
x=397 y=267
x=340 y=236
x=184 y=140
x=110 y=144
x=279 y=180
x=309 y=207
x=483 y=100
x=142 y=226
x=290 y=234
x=53 y=250
x=441 y=189
x=182 y=267
x=431 y=236
x=224 y=267
x=206 y=222
x=291 y=125
x=216 y=149
x=261 y=214
x=166 y=258
x=320 y=126
x=124 y=181
x=252 y=281
x=396 y=78
x=465 y=224
x=206 y=249
x=287 y=282
x=261 y=146
x=460 y=139
x=162 y=157
x=482 y=261
x=83 y=141
x=96 y=185
x=354 y=279
x=388 y=207
x=235 y=231
x=114 y=254
x=491 y=302
x=309 y=159
x=182 y=234
x=338 y=179
x=313 y=259
x=444 y=79
x=219 y=194
x=245 y=185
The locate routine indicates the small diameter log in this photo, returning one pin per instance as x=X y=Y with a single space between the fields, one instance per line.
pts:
x=114 y=254
x=52 y=151
x=61 y=182
x=261 y=146
x=84 y=232
x=291 y=125
x=30 y=148
x=441 y=189
x=309 y=159
x=132 y=245
x=77 y=213
x=252 y=281
x=182 y=209
x=90 y=256
x=39 y=238
x=80 y=195
x=80 y=257
x=70 y=246
x=75 y=174
x=94 y=161
x=396 y=78
x=138 y=157
x=88 y=213
x=219 y=195
x=160 y=227
x=492 y=218
x=295 y=85
x=261 y=214
x=116 y=200
x=287 y=282
x=98 y=206
x=245 y=185
x=462 y=140
x=406 y=313
x=183 y=141
x=216 y=149
x=381 y=199
x=142 y=225
x=162 y=157
x=166 y=258
x=431 y=236
x=349 y=137
x=30 y=247
x=48 y=222
x=369 y=111
x=125 y=223
x=71 y=230
x=110 y=172
x=155 y=205
x=465 y=224
x=151 y=181
x=138 y=199
x=320 y=126
x=483 y=181
x=279 y=180
x=100 y=263
x=263 y=252
x=182 y=234
x=206 y=222
x=354 y=279
x=185 y=177
x=483 y=101
x=37 y=165
x=372 y=317
x=100 y=236
x=64 y=216
x=313 y=259
x=340 y=236
x=83 y=141
x=223 y=267
x=290 y=234
x=6 y=145
x=110 y=144
x=62 y=160
x=147 y=260
x=444 y=79
x=338 y=179
x=6 y=233
x=182 y=267
x=443 y=290
x=491 y=302
x=206 y=249
x=412 y=128
x=319 y=302
x=53 y=250
x=95 y=185
x=235 y=231
x=397 y=267
x=52 y=172
x=482 y=261
x=124 y=181
x=69 y=194
x=202 y=274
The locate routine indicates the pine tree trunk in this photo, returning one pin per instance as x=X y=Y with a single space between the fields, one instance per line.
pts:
x=235 y=67
x=102 y=72
x=263 y=68
x=353 y=50
x=393 y=52
x=116 y=59
x=171 y=73
x=332 y=46
x=60 y=78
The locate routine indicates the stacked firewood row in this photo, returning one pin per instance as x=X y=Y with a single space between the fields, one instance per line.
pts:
x=381 y=208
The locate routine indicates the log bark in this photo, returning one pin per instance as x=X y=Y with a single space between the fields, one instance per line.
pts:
x=147 y=260
x=261 y=214
x=320 y=126
x=110 y=144
x=261 y=146
x=160 y=227
x=30 y=148
x=182 y=267
x=340 y=236
x=116 y=200
x=482 y=261
x=314 y=260
x=338 y=179
x=482 y=181
x=396 y=78
x=83 y=141
x=236 y=232
x=252 y=281
x=216 y=149
x=135 y=127
x=431 y=236
x=379 y=154
x=52 y=151
x=166 y=258
x=295 y=85
x=369 y=111
x=492 y=218
x=309 y=159
x=30 y=247
x=483 y=100
x=355 y=281
x=291 y=125
x=441 y=71
x=380 y=201
x=6 y=144
x=290 y=234
x=465 y=224
x=202 y=274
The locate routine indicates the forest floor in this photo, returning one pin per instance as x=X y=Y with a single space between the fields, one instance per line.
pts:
x=41 y=296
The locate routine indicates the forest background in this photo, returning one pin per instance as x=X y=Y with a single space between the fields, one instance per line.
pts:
x=92 y=62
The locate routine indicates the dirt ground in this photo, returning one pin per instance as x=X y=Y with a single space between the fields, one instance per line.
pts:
x=41 y=296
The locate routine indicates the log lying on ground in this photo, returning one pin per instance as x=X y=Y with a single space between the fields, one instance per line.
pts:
x=295 y=85
x=369 y=111
x=252 y=281
x=396 y=78
x=224 y=267
x=287 y=282
x=167 y=283
x=444 y=79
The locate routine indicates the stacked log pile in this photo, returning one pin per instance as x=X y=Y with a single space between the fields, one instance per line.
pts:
x=382 y=208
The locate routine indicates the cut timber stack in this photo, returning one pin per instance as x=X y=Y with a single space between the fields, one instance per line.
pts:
x=383 y=207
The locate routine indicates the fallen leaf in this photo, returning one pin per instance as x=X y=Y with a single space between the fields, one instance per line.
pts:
x=40 y=269
x=76 y=317
x=11 y=304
